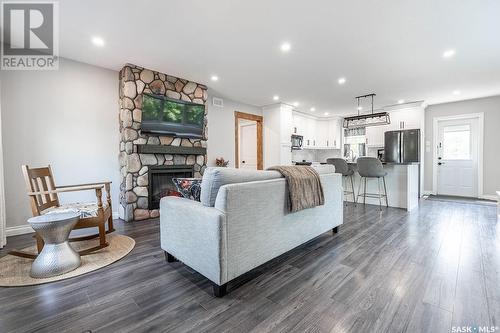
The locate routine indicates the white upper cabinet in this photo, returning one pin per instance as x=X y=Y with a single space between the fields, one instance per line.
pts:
x=318 y=133
x=322 y=134
x=310 y=132
x=409 y=118
x=335 y=133
x=297 y=124
x=375 y=135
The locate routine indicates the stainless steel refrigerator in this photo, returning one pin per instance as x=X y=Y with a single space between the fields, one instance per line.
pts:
x=402 y=146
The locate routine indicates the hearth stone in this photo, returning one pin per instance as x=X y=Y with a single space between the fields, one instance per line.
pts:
x=143 y=170
x=141 y=191
x=142 y=202
x=142 y=180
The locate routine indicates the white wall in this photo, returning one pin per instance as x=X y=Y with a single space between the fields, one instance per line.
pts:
x=66 y=118
x=2 y=191
x=490 y=106
x=221 y=134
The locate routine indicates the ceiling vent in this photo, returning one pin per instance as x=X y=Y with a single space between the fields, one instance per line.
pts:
x=219 y=102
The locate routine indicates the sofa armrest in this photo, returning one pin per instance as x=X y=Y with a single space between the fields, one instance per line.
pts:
x=195 y=235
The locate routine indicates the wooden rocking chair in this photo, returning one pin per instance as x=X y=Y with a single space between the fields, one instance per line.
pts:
x=43 y=194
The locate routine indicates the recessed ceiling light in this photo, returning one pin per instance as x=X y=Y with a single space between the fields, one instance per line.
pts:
x=448 y=53
x=341 y=80
x=456 y=92
x=214 y=78
x=285 y=47
x=98 y=41
x=360 y=108
x=295 y=104
x=312 y=109
x=326 y=113
x=401 y=101
x=276 y=98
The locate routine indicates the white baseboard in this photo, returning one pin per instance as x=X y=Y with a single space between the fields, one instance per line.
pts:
x=489 y=197
x=428 y=192
x=26 y=229
x=18 y=230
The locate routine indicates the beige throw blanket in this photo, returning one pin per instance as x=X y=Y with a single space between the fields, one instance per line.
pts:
x=304 y=187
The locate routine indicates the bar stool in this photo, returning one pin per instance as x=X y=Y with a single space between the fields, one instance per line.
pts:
x=343 y=168
x=371 y=167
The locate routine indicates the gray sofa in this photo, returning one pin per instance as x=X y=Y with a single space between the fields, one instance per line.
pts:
x=241 y=222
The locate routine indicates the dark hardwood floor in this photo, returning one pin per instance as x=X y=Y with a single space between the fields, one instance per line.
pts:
x=386 y=271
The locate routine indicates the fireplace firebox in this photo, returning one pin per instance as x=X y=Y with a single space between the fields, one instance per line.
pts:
x=160 y=181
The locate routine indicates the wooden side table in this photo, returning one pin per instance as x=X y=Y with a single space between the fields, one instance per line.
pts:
x=57 y=256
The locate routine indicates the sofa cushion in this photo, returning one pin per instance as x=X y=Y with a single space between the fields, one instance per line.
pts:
x=214 y=178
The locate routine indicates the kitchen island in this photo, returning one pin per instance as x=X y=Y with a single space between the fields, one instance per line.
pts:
x=402 y=182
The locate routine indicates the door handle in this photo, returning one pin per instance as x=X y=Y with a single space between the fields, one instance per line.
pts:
x=440 y=163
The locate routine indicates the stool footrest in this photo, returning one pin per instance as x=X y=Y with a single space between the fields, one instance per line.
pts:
x=372 y=195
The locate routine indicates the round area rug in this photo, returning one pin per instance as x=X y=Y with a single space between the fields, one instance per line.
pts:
x=15 y=271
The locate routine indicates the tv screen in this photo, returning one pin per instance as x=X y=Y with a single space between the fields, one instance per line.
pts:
x=162 y=115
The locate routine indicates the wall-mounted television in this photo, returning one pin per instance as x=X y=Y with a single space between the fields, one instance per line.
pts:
x=162 y=115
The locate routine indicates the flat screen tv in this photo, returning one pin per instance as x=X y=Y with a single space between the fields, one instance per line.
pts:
x=162 y=115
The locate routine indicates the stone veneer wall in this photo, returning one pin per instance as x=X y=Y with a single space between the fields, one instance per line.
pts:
x=134 y=81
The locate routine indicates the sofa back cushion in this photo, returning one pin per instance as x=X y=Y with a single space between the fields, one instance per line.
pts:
x=214 y=178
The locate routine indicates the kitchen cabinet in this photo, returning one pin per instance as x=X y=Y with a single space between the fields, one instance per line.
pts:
x=407 y=119
x=410 y=118
x=297 y=124
x=335 y=133
x=318 y=133
x=321 y=134
x=374 y=135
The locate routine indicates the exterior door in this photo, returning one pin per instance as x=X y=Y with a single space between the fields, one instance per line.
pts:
x=457 y=162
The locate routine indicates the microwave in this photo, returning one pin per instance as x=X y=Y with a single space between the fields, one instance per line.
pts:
x=297 y=141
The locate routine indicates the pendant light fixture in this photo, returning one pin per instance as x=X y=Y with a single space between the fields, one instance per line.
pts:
x=370 y=119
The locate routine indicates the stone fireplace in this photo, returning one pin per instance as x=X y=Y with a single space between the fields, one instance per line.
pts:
x=146 y=158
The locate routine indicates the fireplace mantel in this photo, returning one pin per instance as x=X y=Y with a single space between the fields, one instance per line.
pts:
x=178 y=150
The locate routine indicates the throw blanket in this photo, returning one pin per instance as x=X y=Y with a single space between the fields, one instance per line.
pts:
x=304 y=187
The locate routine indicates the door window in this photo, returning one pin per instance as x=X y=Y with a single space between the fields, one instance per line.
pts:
x=457 y=142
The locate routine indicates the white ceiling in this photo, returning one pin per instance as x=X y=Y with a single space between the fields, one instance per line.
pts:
x=391 y=47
